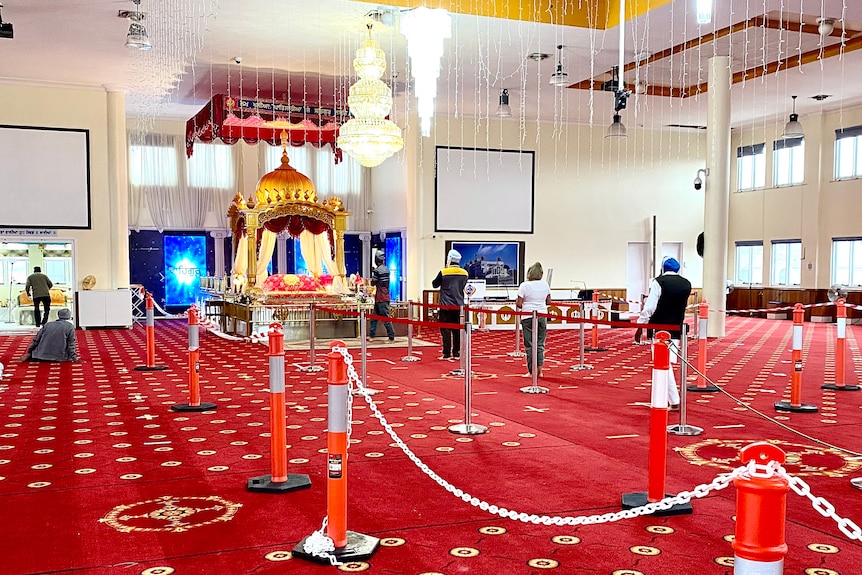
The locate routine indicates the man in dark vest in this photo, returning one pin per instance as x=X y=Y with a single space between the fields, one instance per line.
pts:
x=665 y=304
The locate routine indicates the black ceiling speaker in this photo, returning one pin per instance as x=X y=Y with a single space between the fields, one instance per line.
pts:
x=700 y=244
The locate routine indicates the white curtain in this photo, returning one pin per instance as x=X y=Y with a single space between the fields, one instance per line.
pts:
x=240 y=265
x=211 y=177
x=347 y=180
x=267 y=246
x=177 y=191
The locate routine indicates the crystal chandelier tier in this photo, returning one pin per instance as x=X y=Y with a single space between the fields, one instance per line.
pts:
x=368 y=136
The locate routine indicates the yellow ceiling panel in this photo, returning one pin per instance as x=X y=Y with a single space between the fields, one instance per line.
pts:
x=597 y=14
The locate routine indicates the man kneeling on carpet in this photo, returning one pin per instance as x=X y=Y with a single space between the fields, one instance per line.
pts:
x=55 y=341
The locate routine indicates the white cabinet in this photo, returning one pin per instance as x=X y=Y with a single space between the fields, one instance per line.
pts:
x=104 y=308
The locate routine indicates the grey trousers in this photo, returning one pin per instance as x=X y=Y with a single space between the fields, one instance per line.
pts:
x=527 y=330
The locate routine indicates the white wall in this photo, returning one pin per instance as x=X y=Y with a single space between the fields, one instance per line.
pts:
x=70 y=108
x=816 y=211
x=592 y=197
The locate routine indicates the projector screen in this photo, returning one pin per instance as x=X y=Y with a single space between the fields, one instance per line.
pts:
x=483 y=190
x=45 y=175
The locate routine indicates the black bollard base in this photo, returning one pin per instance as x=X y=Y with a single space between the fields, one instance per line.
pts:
x=186 y=407
x=706 y=389
x=801 y=408
x=151 y=368
x=834 y=387
x=358 y=547
x=639 y=499
x=265 y=484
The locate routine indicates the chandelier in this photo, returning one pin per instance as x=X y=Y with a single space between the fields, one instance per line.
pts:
x=425 y=29
x=369 y=137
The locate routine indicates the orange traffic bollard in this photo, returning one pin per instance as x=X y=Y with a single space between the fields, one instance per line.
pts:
x=349 y=545
x=795 y=404
x=840 y=350
x=595 y=331
x=151 y=340
x=702 y=320
x=279 y=481
x=761 y=509
x=658 y=434
x=194 y=403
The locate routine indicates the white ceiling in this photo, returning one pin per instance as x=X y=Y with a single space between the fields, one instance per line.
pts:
x=295 y=47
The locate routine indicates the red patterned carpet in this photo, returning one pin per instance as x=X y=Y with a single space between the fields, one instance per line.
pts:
x=98 y=476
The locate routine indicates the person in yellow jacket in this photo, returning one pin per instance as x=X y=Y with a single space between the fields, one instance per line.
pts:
x=451 y=281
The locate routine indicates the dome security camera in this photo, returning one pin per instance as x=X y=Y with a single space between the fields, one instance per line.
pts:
x=698 y=181
x=237 y=59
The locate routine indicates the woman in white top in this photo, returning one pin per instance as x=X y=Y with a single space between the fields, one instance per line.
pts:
x=534 y=295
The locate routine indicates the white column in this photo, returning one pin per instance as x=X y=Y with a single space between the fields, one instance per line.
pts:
x=281 y=248
x=717 y=193
x=365 y=238
x=118 y=184
x=219 y=236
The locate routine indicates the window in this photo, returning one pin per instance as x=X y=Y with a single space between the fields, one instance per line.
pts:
x=848 y=153
x=59 y=270
x=847 y=261
x=751 y=167
x=153 y=166
x=788 y=162
x=786 y=269
x=211 y=166
x=749 y=263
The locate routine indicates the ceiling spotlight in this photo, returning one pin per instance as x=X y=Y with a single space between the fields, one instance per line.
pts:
x=559 y=78
x=617 y=129
x=793 y=129
x=137 y=36
x=503 y=110
x=825 y=26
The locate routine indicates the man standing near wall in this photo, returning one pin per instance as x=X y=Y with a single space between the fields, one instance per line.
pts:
x=39 y=289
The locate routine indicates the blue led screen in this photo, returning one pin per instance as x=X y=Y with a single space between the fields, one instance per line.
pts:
x=185 y=262
x=393 y=262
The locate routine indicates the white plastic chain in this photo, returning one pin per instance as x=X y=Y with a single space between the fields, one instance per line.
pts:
x=717 y=484
x=319 y=545
x=826 y=509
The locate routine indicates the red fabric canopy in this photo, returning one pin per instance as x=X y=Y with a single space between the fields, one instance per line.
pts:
x=232 y=119
x=294 y=226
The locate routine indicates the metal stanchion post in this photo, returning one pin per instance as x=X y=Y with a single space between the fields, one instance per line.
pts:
x=517 y=352
x=461 y=355
x=410 y=356
x=467 y=428
x=581 y=366
x=312 y=323
x=683 y=428
x=363 y=349
x=534 y=359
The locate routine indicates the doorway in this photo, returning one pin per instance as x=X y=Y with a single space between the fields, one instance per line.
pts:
x=18 y=258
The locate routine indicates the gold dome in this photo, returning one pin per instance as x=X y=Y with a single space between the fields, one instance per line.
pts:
x=284 y=184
